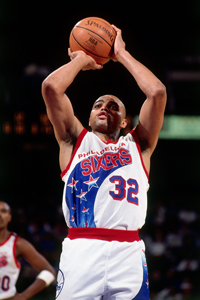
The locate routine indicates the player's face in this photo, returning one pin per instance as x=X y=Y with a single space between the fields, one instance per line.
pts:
x=107 y=115
x=5 y=215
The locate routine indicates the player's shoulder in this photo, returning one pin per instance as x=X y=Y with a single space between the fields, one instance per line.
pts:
x=130 y=136
x=22 y=243
x=23 y=246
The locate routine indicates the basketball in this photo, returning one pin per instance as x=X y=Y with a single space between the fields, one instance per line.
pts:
x=94 y=36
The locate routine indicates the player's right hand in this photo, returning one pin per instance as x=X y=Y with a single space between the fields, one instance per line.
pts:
x=89 y=62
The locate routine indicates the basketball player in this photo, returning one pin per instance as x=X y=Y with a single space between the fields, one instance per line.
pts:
x=106 y=182
x=12 y=249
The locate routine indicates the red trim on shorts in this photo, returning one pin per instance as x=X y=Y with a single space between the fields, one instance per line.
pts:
x=79 y=140
x=103 y=234
x=133 y=132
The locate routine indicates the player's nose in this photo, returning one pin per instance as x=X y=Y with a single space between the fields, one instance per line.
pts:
x=104 y=107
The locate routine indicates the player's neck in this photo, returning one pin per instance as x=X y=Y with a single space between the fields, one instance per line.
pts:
x=105 y=137
x=4 y=234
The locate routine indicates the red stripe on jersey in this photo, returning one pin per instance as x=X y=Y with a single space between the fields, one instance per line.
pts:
x=79 y=140
x=133 y=132
x=103 y=234
x=14 y=252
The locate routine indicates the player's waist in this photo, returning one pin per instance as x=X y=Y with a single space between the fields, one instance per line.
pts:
x=103 y=234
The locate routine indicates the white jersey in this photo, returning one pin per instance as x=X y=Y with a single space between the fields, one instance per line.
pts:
x=106 y=184
x=9 y=267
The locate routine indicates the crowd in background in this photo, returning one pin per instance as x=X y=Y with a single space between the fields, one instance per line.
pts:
x=172 y=239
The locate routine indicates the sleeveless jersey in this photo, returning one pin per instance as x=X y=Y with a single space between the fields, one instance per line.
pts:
x=106 y=184
x=9 y=267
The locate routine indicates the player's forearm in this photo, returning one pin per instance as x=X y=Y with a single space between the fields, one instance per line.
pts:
x=58 y=81
x=146 y=80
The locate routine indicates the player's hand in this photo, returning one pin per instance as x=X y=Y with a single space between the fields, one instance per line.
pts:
x=89 y=62
x=119 y=44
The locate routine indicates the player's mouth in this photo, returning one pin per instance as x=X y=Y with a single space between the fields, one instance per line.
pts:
x=103 y=115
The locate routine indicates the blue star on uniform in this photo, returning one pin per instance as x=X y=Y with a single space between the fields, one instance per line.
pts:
x=82 y=196
x=73 y=185
x=85 y=211
x=92 y=182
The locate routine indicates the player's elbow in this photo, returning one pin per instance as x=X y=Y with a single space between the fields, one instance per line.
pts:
x=159 y=95
x=49 y=88
x=159 y=92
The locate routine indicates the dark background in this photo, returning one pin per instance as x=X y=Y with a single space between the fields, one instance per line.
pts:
x=164 y=36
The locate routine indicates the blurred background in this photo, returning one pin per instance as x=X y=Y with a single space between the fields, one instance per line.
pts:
x=164 y=36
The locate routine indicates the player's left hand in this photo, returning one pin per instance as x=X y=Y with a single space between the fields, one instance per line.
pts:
x=90 y=63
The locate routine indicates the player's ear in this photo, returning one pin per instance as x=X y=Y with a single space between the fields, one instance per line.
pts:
x=89 y=121
x=123 y=123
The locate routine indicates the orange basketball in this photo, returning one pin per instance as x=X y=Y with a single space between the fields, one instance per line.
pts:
x=95 y=37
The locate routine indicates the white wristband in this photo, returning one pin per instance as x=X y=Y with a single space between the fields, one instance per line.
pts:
x=47 y=276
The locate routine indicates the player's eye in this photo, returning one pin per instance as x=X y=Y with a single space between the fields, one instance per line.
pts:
x=114 y=107
x=98 y=105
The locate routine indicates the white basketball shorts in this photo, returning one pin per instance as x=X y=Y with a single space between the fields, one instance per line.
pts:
x=95 y=269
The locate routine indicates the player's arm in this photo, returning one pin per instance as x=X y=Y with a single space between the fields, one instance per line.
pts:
x=46 y=273
x=152 y=111
x=59 y=107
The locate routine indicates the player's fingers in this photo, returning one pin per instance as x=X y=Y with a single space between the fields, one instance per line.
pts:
x=99 y=67
x=69 y=52
x=116 y=28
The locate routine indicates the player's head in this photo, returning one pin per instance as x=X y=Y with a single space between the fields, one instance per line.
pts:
x=108 y=114
x=5 y=214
